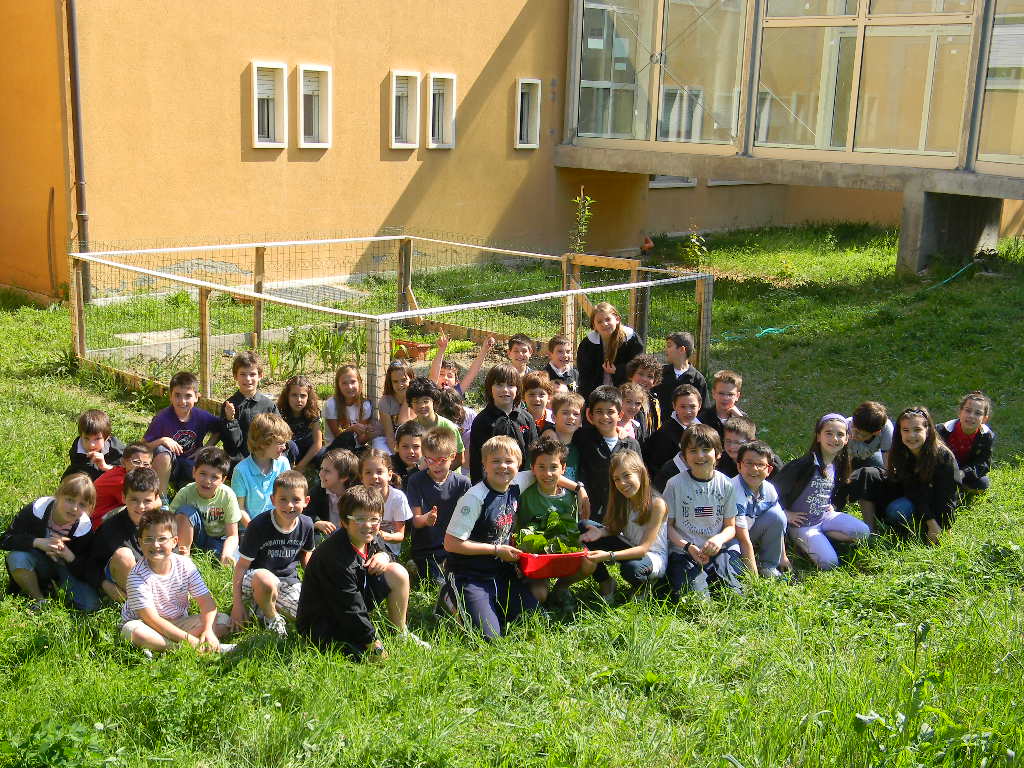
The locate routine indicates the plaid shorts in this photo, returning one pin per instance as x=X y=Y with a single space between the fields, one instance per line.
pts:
x=287 y=596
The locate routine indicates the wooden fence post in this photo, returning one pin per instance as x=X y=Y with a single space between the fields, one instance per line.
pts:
x=204 y=342
x=641 y=314
x=78 y=277
x=705 y=291
x=259 y=275
x=634 y=276
x=378 y=355
x=404 y=301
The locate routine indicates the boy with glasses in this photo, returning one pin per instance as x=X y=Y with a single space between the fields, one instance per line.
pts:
x=760 y=520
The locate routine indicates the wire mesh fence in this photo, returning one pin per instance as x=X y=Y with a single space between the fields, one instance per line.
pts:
x=310 y=306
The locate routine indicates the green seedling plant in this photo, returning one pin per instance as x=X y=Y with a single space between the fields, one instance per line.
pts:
x=558 y=536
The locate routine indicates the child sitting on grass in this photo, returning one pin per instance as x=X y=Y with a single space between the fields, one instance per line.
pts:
x=536 y=396
x=566 y=412
x=408 y=453
x=115 y=548
x=207 y=510
x=346 y=576
x=870 y=435
x=376 y=474
x=633 y=533
x=110 y=485
x=664 y=443
x=349 y=415
x=338 y=470
x=559 y=364
x=178 y=431
x=393 y=407
x=760 y=521
x=155 y=614
x=679 y=371
x=269 y=555
x=701 y=519
x=725 y=393
x=95 y=450
x=737 y=431
x=433 y=493
x=479 y=543
x=253 y=478
x=970 y=439
x=300 y=408
x=453 y=407
x=423 y=396
x=241 y=408
x=445 y=373
x=645 y=370
x=49 y=542
x=633 y=422
x=501 y=417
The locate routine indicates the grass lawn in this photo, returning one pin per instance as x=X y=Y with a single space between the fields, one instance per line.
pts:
x=905 y=656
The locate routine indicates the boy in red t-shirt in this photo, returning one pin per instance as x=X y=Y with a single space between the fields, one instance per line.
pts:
x=110 y=485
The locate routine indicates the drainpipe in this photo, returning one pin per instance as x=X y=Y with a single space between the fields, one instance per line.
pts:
x=81 y=215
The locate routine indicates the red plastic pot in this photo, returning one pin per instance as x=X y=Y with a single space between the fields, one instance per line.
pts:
x=550 y=566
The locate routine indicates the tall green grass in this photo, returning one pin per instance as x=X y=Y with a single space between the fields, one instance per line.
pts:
x=906 y=656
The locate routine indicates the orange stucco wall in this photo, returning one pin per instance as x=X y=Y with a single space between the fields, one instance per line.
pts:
x=33 y=229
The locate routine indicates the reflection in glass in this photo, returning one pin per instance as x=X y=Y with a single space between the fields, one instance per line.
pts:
x=615 y=67
x=921 y=6
x=912 y=88
x=804 y=88
x=1002 y=116
x=700 y=93
x=812 y=7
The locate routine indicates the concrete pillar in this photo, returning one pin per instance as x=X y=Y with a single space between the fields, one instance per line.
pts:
x=957 y=226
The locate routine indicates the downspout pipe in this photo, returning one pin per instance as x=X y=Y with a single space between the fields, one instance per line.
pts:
x=81 y=212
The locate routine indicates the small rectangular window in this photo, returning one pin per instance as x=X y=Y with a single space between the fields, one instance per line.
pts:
x=269 y=105
x=441 y=111
x=315 y=106
x=527 y=114
x=671 y=182
x=405 y=109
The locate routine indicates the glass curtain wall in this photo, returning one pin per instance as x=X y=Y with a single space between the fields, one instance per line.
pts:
x=1002 y=115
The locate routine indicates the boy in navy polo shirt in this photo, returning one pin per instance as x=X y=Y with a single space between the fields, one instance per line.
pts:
x=481 y=557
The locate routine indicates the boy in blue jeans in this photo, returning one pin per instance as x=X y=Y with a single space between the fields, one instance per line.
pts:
x=207 y=510
x=760 y=519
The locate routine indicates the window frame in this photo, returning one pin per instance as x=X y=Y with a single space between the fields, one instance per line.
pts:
x=412 y=116
x=325 y=106
x=280 y=140
x=449 y=111
x=534 y=86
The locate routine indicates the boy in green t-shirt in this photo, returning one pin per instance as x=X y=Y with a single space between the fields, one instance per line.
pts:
x=536 y=505
x=423 y=396
x=207 y=511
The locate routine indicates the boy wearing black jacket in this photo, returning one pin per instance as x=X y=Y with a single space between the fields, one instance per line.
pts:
x=347 y=575
x=502 y=416
x=95 y=451
x=49 y=542
x=663 y=445
x=596 y=442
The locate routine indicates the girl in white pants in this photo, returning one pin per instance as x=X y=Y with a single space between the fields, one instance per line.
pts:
x=808 y=490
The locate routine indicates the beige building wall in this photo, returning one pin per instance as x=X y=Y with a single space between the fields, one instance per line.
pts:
x=34 y=177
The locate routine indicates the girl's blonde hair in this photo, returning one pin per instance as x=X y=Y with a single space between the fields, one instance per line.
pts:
x=311 y=412
x=78 y=486
x=339 y=399
x=618 y=338
x=617 y=513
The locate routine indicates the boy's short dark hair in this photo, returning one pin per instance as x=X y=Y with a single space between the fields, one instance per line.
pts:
x=520 y=338
x=647 y=363
x=93 y=422
x=605 y=394
x=157 y=518
x=440 y=441
x=247 y=358
x=502 y=373
x=359 y=498
x=979 y=397
x=701 y=436
x=185 y=380
x=740 y=425
x=558 y=340
x=344 y=462
x=291 y=480
x=548 y=446
x=760 y=447
x=560 y=401
x=449 y=365
x=682 y=339
x=421 y=386
x=411 y=428
x=138 y=448
x=870 y=416
x=686 y=389
x=726 y=376
x=537 y=380
x=141 y=480
x=213 y=456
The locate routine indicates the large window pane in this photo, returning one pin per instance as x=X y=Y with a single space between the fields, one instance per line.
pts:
x=615 y=68
x=912 y=88
x=1002 y=116
x=921 y=6
x=700 y=93
x=804 y=88
x=812 y=7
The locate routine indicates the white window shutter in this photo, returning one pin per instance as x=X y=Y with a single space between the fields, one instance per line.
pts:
x=265 y=84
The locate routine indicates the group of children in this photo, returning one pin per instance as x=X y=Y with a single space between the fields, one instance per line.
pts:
x=658 y=472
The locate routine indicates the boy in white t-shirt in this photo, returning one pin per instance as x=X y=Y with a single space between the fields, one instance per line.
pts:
x=701 y=518
x=155 y=615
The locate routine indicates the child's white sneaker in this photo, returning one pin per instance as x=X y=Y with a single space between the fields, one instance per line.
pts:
x=226 y=647
x=414 y=639
x=277 y=625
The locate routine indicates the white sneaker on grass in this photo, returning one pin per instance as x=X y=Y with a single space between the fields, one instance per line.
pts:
x=277 y=625
x=226 y=647
x=414 y=639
